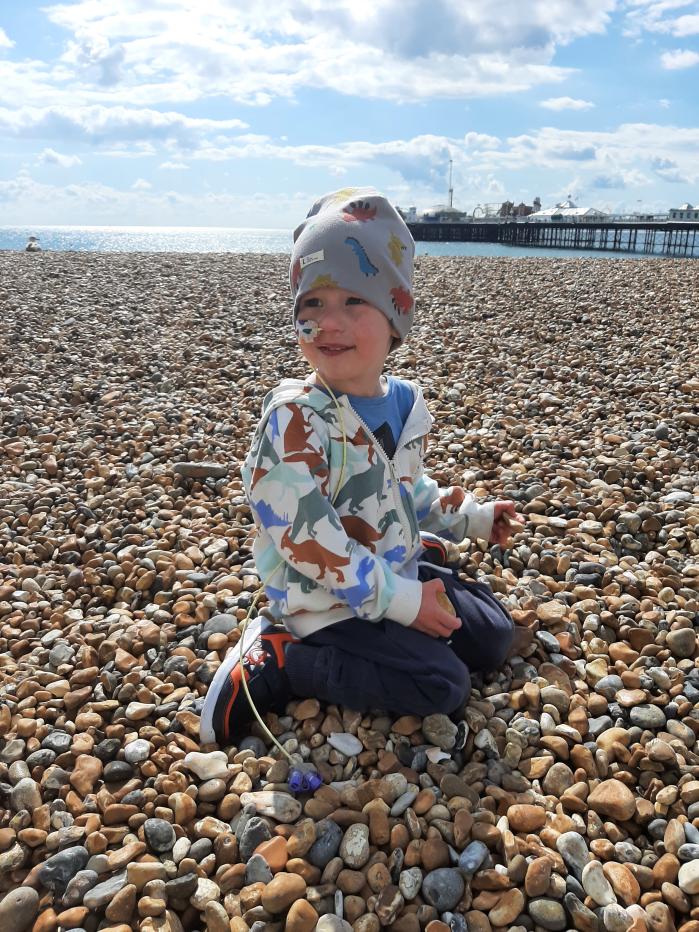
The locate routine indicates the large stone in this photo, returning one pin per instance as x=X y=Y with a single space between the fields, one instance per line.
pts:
x=301 y=917
x=103 y=893
x=327 y=843
x=574 y=852
x=682 y=642
x=354 y=849
x=596 y=884
x=440 y=731
x=613 y=799
x=508 y=907
x=57 y=871
x=207 y=766
x=18 y=909
x=279 y=806
x=443 y=888
x=688 y=878
x=282 y=891
x=346 y=744
x=525 y=818
x=25 y=795
x=549 y=914
x=160 y=835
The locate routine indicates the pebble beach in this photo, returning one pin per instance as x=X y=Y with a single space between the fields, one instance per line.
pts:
x=565 y=795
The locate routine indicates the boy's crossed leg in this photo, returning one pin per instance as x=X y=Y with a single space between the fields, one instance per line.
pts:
x=366 y=665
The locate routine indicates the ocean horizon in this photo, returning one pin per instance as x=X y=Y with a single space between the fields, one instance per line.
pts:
x=177 y=239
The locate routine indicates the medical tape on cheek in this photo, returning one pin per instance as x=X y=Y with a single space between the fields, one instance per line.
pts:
x=307 y=330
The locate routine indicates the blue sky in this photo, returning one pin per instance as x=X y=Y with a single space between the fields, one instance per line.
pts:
x=240 y=113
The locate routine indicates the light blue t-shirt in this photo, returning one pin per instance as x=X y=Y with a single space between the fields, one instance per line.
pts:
x=385 y=415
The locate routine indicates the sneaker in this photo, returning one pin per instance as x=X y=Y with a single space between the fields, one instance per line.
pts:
x=437 y=551
x=226 y=709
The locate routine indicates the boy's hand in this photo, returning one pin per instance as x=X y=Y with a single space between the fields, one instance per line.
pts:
x=432 y=619
x=505 y=523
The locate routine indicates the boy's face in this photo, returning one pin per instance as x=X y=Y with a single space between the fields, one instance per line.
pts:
x=353 y=342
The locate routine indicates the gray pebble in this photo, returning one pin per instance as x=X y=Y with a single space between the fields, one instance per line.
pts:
x=327 y=843
x=573 y=850
x=688 y=851
x=549 y=914
x=403 y=801
x=83 y=881
x=58 y=870
x=18 y=909
x=257 y=870
x=99 y=896
x=648 y=716
x=471 y=858
x=256 y=831
x=443 y=888
x=160 y=835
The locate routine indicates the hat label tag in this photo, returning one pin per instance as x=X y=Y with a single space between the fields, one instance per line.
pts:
x=312 y=257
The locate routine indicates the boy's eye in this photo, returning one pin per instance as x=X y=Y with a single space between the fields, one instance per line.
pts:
x=355 y=300
x=311 y=302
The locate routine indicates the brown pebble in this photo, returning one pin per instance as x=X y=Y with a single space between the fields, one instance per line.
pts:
x=282 y=890
x=509 y=906
x=275 y=852
x=301 y=917
x=122 y=905
x=524 y=818
x=538 y=876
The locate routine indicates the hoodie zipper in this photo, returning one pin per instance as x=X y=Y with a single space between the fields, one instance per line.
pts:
x=395 y=488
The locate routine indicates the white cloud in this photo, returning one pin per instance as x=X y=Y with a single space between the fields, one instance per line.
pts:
x=5 y=41
x=566 y=103
x=664 y=103
x=51 y=157
x=141 y=185
x=174 y=166
x=679 y=58
x=668 y=170
x=661 y=16
x=99 y=124
x=623 y=154
x=28 y=201
x=398 y=50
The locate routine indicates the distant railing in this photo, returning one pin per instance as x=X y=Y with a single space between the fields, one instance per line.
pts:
x=653 y=236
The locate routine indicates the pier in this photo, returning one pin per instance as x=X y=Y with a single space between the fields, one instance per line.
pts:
x=669 y=238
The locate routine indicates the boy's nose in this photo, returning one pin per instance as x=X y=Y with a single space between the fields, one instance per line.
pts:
x=331 y=319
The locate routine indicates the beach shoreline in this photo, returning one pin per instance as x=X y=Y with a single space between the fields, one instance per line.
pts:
x=569 y=385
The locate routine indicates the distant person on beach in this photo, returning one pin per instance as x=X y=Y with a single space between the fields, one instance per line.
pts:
x=32 y=245
x=346 y=544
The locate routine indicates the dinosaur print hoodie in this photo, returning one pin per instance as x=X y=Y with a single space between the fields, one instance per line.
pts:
x=339 y=536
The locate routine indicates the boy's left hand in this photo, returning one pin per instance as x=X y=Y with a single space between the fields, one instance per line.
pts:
x=504 y=517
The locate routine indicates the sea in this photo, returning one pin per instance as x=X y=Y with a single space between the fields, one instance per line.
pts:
x=244 y=240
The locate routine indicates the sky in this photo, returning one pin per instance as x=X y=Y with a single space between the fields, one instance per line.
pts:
x=240 y=113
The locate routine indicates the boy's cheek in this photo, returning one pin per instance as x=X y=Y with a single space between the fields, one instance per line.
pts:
x=307 y=351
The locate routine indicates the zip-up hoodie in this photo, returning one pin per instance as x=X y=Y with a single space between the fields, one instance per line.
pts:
x=339 y=534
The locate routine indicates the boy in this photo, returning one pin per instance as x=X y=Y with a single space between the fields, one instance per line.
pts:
x=340 y=521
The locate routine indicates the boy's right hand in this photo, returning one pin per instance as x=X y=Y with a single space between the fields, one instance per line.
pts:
x=432 y=619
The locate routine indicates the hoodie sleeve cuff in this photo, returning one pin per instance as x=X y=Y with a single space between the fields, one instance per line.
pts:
x=480 y=519
x=405 y=604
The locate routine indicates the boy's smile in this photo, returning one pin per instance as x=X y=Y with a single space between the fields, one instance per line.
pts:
x=354 y=338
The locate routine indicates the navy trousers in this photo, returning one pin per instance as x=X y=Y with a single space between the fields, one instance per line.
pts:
x=365 y=665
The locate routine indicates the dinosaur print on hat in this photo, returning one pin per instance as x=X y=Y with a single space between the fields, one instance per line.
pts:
x=402 y=300
x=366 y=266
x=360 y=211
x=396 y=248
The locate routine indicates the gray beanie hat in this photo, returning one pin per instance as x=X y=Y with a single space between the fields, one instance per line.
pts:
x=356 y=240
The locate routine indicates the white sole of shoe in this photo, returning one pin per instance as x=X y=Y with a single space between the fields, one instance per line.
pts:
x=206 y=722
